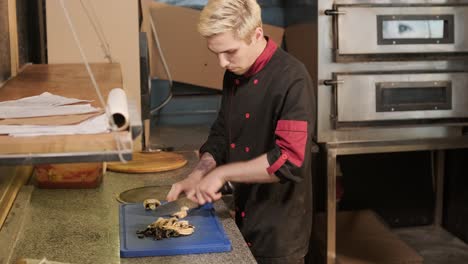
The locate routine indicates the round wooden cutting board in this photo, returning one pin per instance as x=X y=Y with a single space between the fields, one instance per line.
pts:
x=138 y=195
x=145 y=162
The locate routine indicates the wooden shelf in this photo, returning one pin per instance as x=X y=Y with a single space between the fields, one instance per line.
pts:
x=70 y=80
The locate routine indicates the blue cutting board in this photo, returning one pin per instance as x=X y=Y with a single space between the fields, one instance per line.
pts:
x=209 y=235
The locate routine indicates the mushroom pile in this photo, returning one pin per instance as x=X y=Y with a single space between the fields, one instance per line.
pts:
x=166 y=227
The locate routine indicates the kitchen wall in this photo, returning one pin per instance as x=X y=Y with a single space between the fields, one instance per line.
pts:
x=119 y=23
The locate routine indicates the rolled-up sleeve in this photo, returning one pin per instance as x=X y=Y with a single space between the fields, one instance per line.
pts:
x=293 y=132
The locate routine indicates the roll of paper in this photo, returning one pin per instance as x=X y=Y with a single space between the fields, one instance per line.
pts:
x=117 y=108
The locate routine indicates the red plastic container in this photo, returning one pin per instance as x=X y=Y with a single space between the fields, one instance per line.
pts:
x=69 y=175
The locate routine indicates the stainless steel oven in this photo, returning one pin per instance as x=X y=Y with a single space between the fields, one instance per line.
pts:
x=387 y=65
x=392 y=76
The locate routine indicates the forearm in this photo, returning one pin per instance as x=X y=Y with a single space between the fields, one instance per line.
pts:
x=204 y=165
x=251 y=171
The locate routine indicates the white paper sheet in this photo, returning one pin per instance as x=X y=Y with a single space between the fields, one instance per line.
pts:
x=44 y=99
x=48 y=104
x=45 y=104
x=38 y=111
x=96 y=125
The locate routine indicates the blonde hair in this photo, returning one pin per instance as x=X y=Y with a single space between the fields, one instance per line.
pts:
x=241 y=17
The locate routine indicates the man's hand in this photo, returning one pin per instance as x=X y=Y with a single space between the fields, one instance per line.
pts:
x=187 y=186
x=208 y=188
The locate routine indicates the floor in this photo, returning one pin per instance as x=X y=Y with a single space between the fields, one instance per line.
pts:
x=435 y=245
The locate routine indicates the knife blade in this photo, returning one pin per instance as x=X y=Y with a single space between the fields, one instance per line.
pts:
x=169 y=208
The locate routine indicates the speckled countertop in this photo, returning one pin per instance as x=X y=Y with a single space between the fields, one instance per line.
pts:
x=82 y=226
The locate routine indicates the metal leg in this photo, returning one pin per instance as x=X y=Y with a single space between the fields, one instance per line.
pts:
x=439 y=174
x=331 y=206
x=146 y=135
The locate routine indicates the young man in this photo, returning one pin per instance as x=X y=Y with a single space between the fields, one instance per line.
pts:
x=262 y=137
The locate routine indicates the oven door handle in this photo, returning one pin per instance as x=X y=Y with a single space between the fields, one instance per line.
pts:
x=332 y=82
x=334 y=12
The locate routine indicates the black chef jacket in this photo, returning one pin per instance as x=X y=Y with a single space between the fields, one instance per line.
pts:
x=270 y=109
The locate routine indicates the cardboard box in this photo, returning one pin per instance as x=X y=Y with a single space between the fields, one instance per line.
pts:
x=362 y=238
x=185 y=51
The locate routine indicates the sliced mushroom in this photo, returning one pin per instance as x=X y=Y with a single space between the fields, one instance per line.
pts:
x=151 y=204
x=183 y=223
x=182 y=213
x=158 y=223
x=186 y=231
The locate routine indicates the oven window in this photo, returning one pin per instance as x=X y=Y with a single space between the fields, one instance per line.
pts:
x=413 y=96
x=415 y=29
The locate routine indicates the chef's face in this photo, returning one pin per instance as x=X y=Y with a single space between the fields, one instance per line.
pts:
x=234 y=54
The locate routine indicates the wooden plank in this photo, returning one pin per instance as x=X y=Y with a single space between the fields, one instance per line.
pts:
x=13 y=28
x=11 y=230
x=149 y=162
x=5 y=67
x=12 y=179
x=70 y=80
x=61 y=144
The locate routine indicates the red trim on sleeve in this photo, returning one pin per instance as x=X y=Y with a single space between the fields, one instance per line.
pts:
x=277 y=165
x=291 y=137
x=291 y=125
x=263 y=59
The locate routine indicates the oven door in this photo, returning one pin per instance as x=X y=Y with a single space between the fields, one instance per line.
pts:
x=397 y=98
x=399 y=32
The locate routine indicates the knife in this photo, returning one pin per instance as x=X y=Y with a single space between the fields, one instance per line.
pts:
x=169 y=208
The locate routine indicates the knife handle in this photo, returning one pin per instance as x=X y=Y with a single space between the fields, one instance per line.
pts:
x=227 y=188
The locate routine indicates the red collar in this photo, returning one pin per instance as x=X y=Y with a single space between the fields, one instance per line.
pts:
x=263 y=59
